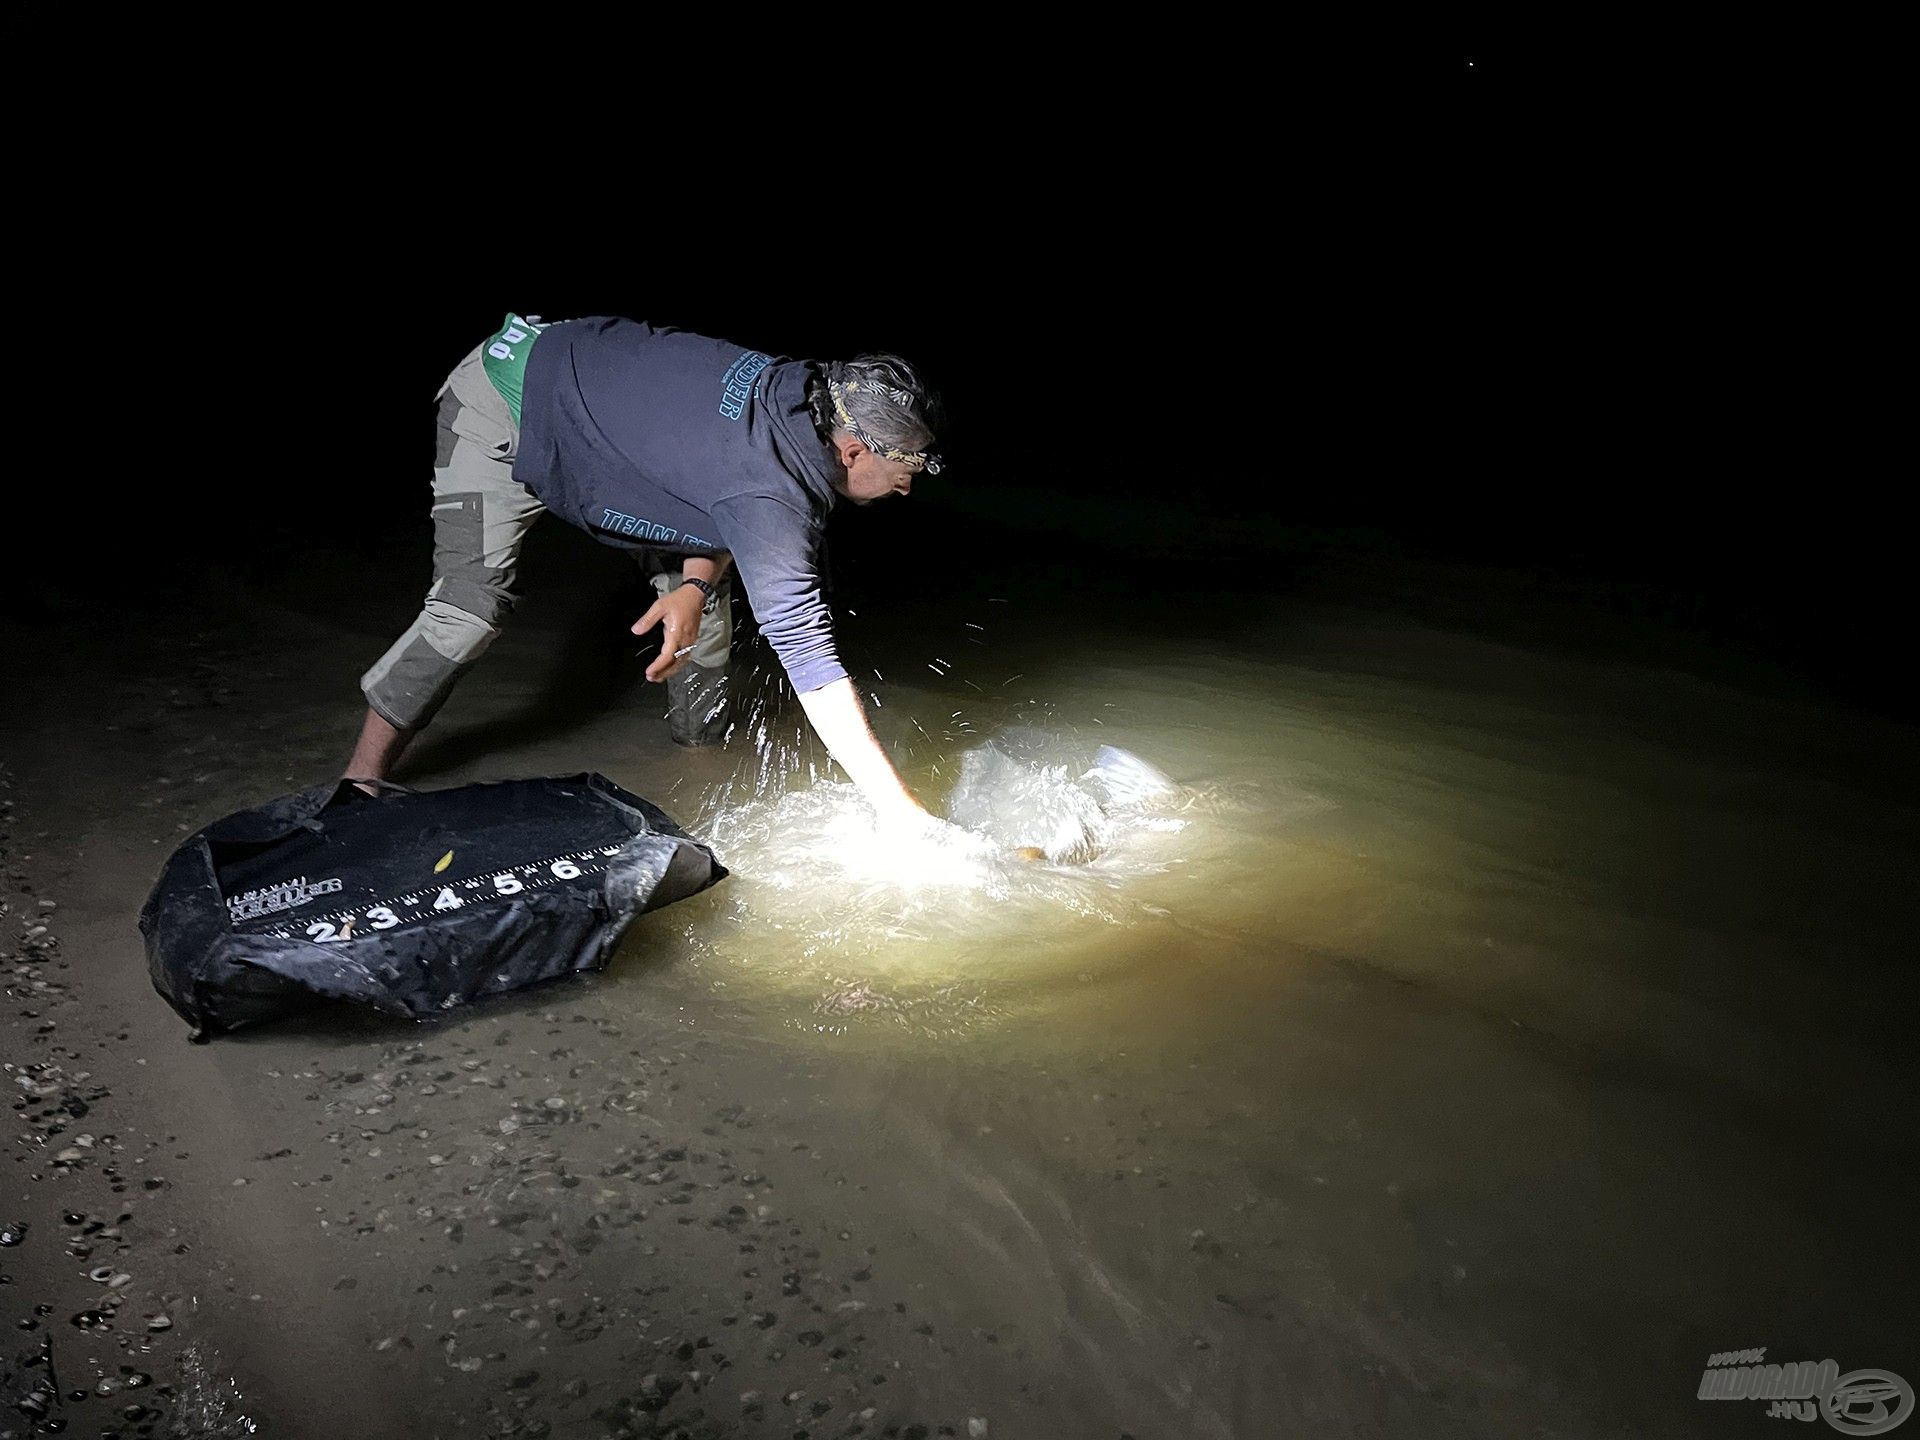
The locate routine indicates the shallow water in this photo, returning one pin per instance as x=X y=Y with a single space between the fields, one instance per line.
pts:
x=1469 y=1043
x=939 y=933
x=1400 y=1056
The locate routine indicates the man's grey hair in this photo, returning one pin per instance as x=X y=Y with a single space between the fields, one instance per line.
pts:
x=891 y=402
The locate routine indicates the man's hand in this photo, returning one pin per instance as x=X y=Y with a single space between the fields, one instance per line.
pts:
x=922 y=849
x=677 y=613
x=838 y=718
x=903 y=815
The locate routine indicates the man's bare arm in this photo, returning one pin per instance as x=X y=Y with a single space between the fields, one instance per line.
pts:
x=840 y=720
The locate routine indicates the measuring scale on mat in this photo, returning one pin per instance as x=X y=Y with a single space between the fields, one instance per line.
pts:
x=254 y=912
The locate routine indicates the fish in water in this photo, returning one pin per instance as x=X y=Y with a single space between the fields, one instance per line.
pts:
x=1014 y=790
x=1124 y=780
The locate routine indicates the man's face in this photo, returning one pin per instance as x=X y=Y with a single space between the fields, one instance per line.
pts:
x=865 y=477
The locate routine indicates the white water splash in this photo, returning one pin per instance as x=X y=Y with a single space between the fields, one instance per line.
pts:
x=206 y=1405
x=922 y=929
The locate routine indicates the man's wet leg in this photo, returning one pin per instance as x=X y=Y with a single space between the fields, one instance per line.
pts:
x=698 y=711
x=480 y=517
x=378 y=748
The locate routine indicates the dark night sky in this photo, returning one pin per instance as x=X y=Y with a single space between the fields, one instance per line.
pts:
x=1510 y=308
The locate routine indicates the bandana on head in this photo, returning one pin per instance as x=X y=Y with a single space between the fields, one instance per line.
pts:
x=918 y=459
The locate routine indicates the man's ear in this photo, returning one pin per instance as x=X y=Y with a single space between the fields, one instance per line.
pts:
x=850 y=449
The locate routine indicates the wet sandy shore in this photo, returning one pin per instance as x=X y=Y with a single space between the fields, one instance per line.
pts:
x=1357 y=1200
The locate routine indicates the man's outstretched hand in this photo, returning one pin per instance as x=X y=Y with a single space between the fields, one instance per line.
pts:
x=677 y=613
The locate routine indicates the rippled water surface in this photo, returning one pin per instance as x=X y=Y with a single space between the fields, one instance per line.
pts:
x=1354 y=1063
x=1322 y=1026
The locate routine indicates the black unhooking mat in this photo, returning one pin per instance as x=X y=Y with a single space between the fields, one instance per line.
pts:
x=412 y=902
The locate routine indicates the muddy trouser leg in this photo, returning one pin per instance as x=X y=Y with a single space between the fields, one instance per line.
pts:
x=480 y=516
x=697 y=709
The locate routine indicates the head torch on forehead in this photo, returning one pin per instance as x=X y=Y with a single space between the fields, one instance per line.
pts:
x=928 y=461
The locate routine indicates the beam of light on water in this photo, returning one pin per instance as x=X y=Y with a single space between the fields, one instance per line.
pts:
x=849 y=924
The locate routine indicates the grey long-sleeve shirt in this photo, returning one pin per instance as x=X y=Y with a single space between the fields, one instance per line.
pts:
x=651 y=436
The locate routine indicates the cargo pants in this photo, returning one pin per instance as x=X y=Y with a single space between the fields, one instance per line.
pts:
x=481 y=516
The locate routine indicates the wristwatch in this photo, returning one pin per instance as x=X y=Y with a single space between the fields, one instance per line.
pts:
x=713 y=595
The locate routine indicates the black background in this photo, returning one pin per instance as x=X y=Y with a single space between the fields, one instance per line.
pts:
x=1598 y=314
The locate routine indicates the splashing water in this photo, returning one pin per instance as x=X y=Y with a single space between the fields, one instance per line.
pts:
x=1030 y=790
x=922 y=930
x=205 y=1405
